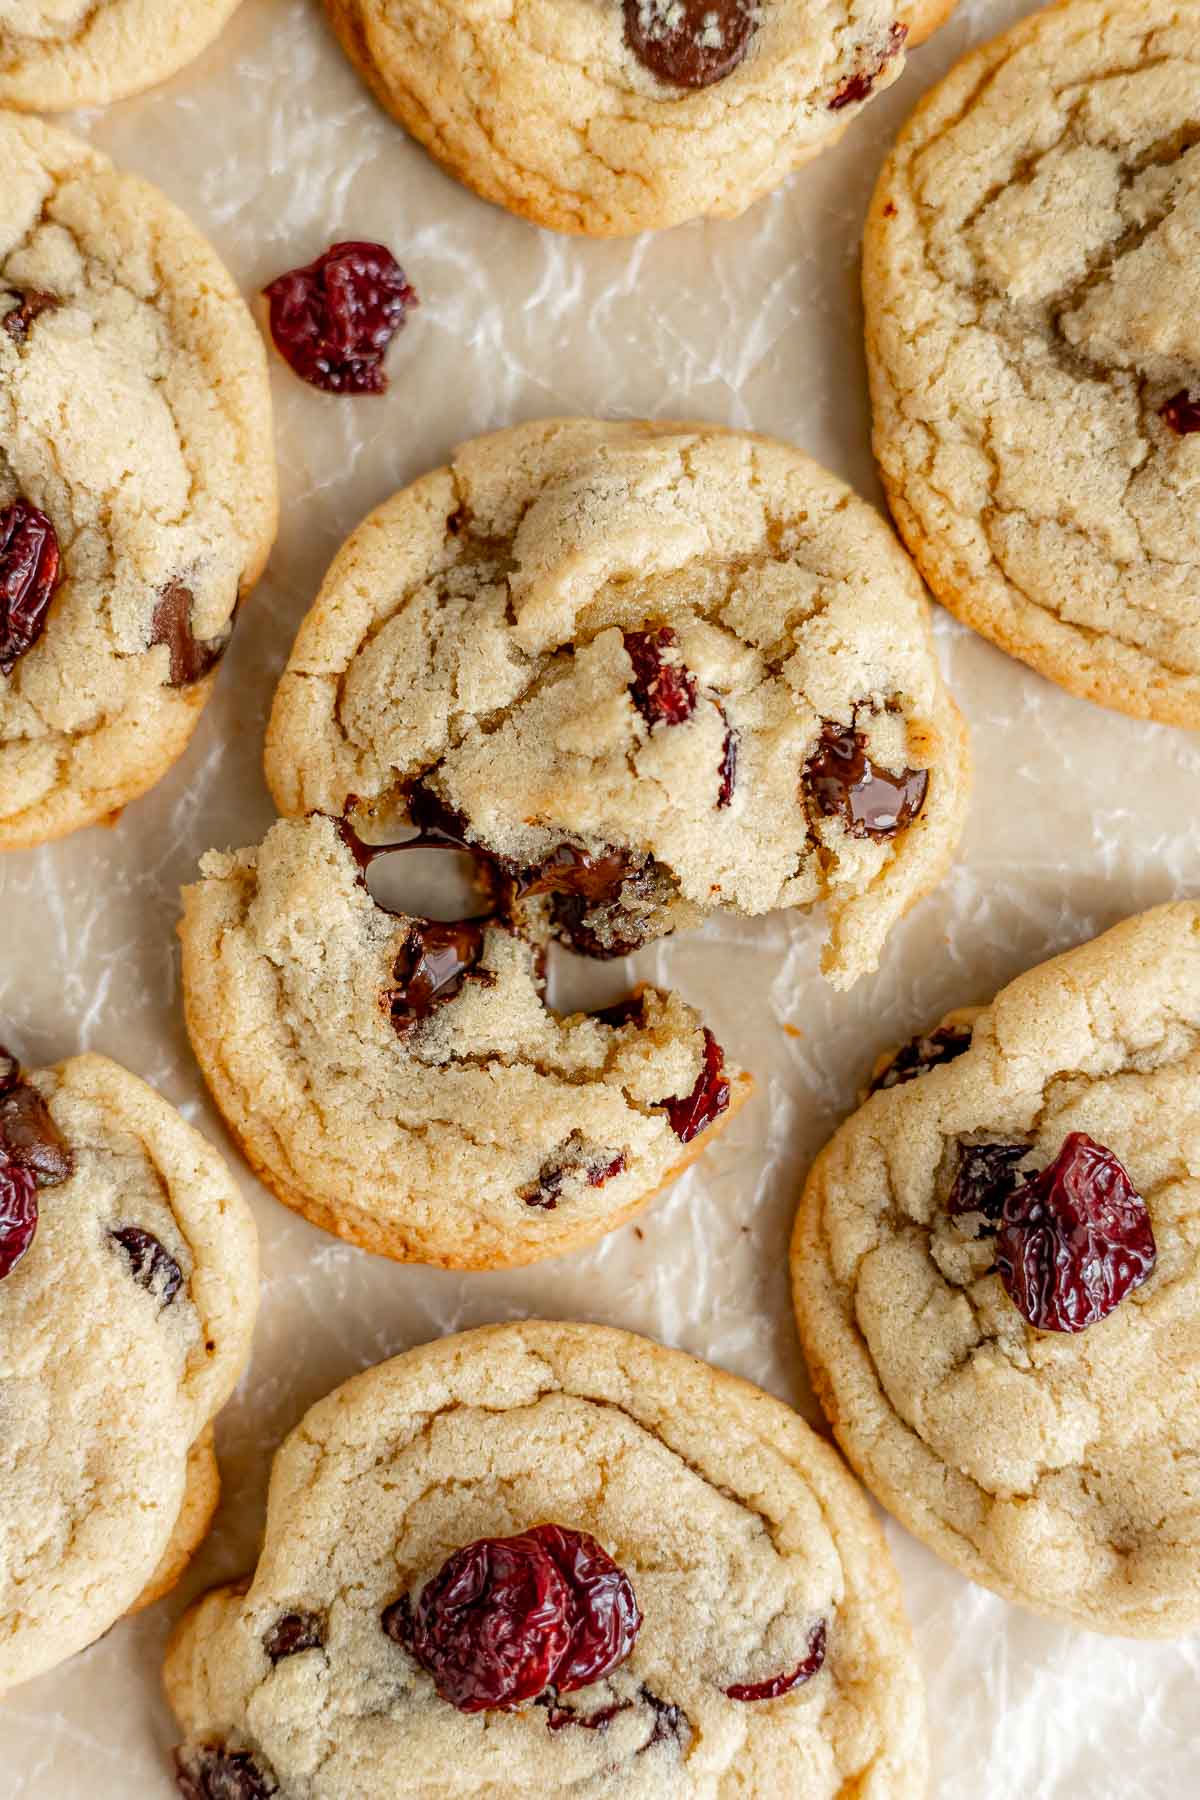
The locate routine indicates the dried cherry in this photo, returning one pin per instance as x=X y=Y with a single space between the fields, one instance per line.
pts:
x=333 y=320
x=33 y=1154
x=506 y=1619
x=1075 y=1239
x=1182 y=412
x=778 y=1685
x=31 y=304
x=18 y=1215
x=708 y=1099
x=985 y=1177
x=663 y=689
x=214 y=1773
x=29 y=566
x=862 y=85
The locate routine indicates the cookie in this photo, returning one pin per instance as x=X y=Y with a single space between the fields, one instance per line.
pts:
x=137 y=480
x=689 y=655
x=61 y=53
x=128 y=1288
x=615 y=116
x=402 y=1082
x=997 y=1283
x=685 y=1560
x=1030 y=262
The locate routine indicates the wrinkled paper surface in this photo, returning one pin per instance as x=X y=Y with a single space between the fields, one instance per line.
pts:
x=1079 y=817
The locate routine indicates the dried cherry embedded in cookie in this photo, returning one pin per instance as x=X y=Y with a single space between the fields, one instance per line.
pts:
x=435 y=961
x=670 y=1722
x=293 y=1632
x=985 y=1177
x=506 y=1619
x=333 y=320
x=544 y=1192
x=212 y=1772
x=845 y=784
x=31 y=304
x=689 y=43
x=778 y=1685
x=559 y=1716
x=191 y=658
x=29 y=565
x=151 y=1266
x=691 y=1115
x=663 y=688
x=18 y=1215
x=861 y=85
x=1074 y=1239
x=1182 y=412
x=928 y=1050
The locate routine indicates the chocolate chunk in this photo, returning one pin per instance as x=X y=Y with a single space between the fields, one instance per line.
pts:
x=31 y=304
x=432 y=967
x=926 y=1051
x=844 y=783
x=191 y=659
x=626 y=1012
x=151 y=1266
x=29 y=1138
x=292 y=1633
x=1182 y=412
x=861 y=85
x=689 y=43
x=212 y=1772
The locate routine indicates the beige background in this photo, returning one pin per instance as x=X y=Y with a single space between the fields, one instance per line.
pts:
x=1079 y=817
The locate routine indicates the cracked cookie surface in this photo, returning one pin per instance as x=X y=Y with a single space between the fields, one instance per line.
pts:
x=738 y=1528
x=56 y=54
x=1058 y=1469
x=485 y=1131
x=123 y=1328
x=1029 y=269
x=655 y=642
x=135 y=417
x=609 y=118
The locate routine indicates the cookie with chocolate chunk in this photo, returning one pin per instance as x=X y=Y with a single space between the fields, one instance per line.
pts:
x=615 y=116
x=137 y=480
x=554 y=1559
x=649 y=672
x=128 y=1289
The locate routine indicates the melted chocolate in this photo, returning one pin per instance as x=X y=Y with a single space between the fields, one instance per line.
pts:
x=432 y=967
x=32 y=303
x=191 y=659
x=844 y=783
x=1182 y=412
x=293 y=1633
x=689 y=43
x=151 y=1266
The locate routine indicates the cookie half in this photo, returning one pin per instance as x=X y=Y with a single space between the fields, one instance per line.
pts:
x=690 y=657
x=137 y=480
x=997 y=1283
x=128 y=1289
x=403 y=1083
x=746 y=1560
x=615 y=116
x=1031 y=259
x=56 y=54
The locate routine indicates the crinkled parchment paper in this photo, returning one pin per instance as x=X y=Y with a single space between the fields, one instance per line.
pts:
x=1079 y=817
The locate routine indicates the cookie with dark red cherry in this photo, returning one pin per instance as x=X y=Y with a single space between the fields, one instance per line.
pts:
x=128 y=1289
x=402 y=1081
x=648 y=673
x=554 y=1559
x=997 y=1282
x=614 y=116
x=137 y=479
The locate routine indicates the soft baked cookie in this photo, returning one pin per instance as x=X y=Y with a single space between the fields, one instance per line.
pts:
x=128 y=1288
x=1031 y=261
x=658 y=670
x=60 y=53
x=402 y=1082
x=997 y=1279
x=615 y=116
x=137 y=480
x=546 y=1559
